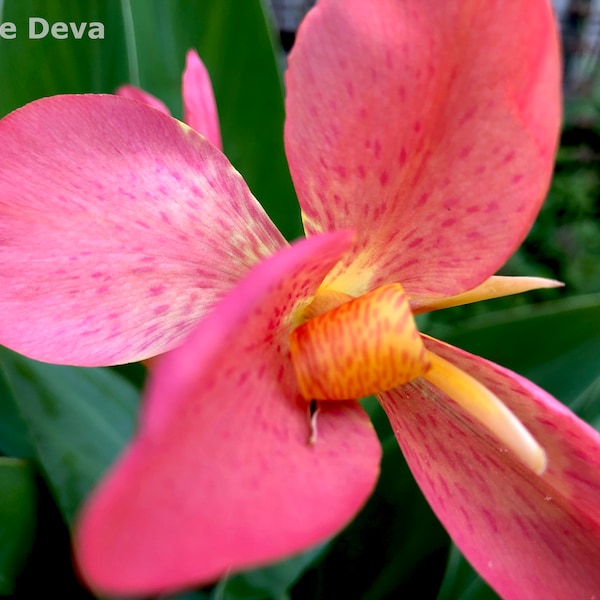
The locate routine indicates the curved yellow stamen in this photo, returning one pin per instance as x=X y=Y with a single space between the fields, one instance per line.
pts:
x=494 y=287
x=488 y=409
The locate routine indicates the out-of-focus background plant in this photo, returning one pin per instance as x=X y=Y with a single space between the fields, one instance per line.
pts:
x=60 y=427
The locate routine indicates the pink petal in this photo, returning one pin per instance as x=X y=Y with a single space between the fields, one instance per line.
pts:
x=429 y=128
x=200 y=109
x=528 y=536
x=134 y=93
x=119 y=228
x=221 y=475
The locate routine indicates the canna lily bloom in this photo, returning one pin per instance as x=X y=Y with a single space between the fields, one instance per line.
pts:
x=420 y=137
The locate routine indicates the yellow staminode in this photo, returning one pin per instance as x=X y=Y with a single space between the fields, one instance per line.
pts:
x=496 y=286
x=487 y=408
x=367 y=345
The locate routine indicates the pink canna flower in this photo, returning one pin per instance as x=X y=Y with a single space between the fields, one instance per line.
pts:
x=420 y=137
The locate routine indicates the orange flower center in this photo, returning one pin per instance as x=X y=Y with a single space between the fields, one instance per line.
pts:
x=355 y=347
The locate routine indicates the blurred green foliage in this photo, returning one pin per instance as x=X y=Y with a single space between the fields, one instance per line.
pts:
x=564 y=242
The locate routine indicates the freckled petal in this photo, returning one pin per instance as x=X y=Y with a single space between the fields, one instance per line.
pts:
x=135 y=93
x=528 y=536
x=221 y=475
x=119 y=227
x=428 y=127
x=200 y=109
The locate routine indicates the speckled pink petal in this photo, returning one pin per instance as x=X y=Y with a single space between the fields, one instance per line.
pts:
x=428 y=127
x=529 y=536
x=119 y=228
x=221 y=475
x=199 y=107
x=135 y=93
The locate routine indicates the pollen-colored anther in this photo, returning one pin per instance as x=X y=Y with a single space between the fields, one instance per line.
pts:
x=487 y=409
x=368 y=345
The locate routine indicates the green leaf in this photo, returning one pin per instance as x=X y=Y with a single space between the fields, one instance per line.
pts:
x=33 y=68
x=18 y=501
x=272 y=582
x=587 y=404
x=79 y=421
x=461 y=582
x=14 y=435
x=556 y=344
